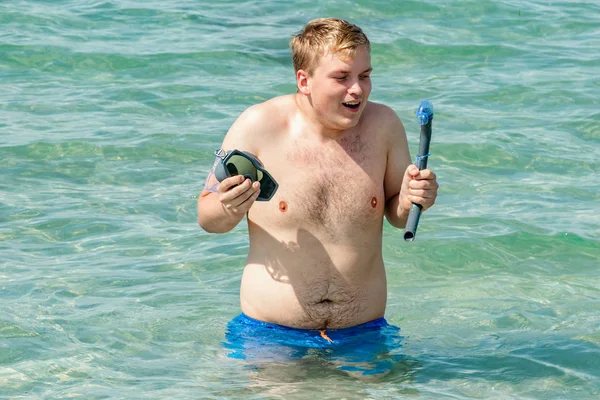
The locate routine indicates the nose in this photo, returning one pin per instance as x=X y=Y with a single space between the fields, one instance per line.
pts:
x=355 y=88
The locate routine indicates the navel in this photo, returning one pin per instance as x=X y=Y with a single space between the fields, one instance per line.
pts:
x=374 y=202
x=283 y=206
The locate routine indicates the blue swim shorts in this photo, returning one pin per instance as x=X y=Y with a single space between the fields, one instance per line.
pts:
x=369 y=349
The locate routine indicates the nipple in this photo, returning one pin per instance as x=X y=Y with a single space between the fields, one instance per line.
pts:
x=283 y=206
x=374 y=202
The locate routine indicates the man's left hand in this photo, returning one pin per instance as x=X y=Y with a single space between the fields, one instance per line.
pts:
x=419 y=187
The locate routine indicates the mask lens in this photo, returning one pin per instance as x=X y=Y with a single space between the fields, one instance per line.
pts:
x=267 y=188
x=238 y=165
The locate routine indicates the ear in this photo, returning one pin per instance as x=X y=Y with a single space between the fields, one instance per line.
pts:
x=302 y=82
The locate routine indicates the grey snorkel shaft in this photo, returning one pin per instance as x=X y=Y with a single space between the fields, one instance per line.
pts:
x=424 y=116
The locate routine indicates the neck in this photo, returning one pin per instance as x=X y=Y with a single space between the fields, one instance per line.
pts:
x=317 y=125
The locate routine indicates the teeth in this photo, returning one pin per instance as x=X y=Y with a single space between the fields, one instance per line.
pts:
x=352 y=103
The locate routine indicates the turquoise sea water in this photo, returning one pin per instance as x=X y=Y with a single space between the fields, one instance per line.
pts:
x=110 y=112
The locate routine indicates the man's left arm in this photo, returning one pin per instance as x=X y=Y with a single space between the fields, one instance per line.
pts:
x=404 y=184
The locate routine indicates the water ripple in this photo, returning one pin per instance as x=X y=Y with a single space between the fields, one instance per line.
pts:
x=110 y=114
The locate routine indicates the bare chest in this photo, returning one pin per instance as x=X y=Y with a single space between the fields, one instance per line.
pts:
x=329 y=187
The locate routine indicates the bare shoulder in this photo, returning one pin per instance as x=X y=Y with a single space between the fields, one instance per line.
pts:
x=264 y=112
x=259 y=122
x=386 y=121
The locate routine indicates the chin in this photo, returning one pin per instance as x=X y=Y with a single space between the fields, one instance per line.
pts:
x=342 y=124
x=350 y=122
x=343 y=121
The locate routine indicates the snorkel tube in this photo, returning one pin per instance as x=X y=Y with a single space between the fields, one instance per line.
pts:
x=425 y=116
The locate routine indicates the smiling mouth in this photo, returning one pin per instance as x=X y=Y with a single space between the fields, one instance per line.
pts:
x=353 y=105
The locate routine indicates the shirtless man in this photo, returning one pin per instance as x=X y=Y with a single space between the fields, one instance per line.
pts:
x=342 y=163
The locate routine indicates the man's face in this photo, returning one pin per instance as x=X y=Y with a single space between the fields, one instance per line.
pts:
x=339 y=88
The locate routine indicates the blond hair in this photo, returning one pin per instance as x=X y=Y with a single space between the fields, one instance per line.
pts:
x=323 y=35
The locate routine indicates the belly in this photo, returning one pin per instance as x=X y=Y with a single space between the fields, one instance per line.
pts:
x=305 y=285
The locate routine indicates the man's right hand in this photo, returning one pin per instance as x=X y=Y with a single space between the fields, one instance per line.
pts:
x=237 y=194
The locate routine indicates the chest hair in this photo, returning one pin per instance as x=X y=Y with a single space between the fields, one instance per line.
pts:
x=333 y=185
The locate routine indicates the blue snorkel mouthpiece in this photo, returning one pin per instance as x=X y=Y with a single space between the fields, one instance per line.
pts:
x=425 y=112
x=425 y=116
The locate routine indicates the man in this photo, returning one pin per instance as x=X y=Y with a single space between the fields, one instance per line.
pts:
x=315 y=260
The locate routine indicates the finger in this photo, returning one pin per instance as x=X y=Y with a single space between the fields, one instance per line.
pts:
x=425 y=174
x=430 y=186
x=235 y=191
x=411 y=171
x=415 y=184
x=229 y=183
x=253 y=189
x=423 y=201
x=246 y=204
x=243 y=202
x=426 y=194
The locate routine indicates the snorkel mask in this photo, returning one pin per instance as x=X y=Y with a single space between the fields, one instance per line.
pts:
x=237 y=162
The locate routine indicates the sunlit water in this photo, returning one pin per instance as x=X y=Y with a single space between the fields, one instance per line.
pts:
x=110 y=111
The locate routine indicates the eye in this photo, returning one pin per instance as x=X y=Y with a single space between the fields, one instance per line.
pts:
x=364 y=76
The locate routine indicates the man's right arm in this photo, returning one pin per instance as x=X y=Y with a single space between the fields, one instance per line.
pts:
x=222 y=205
